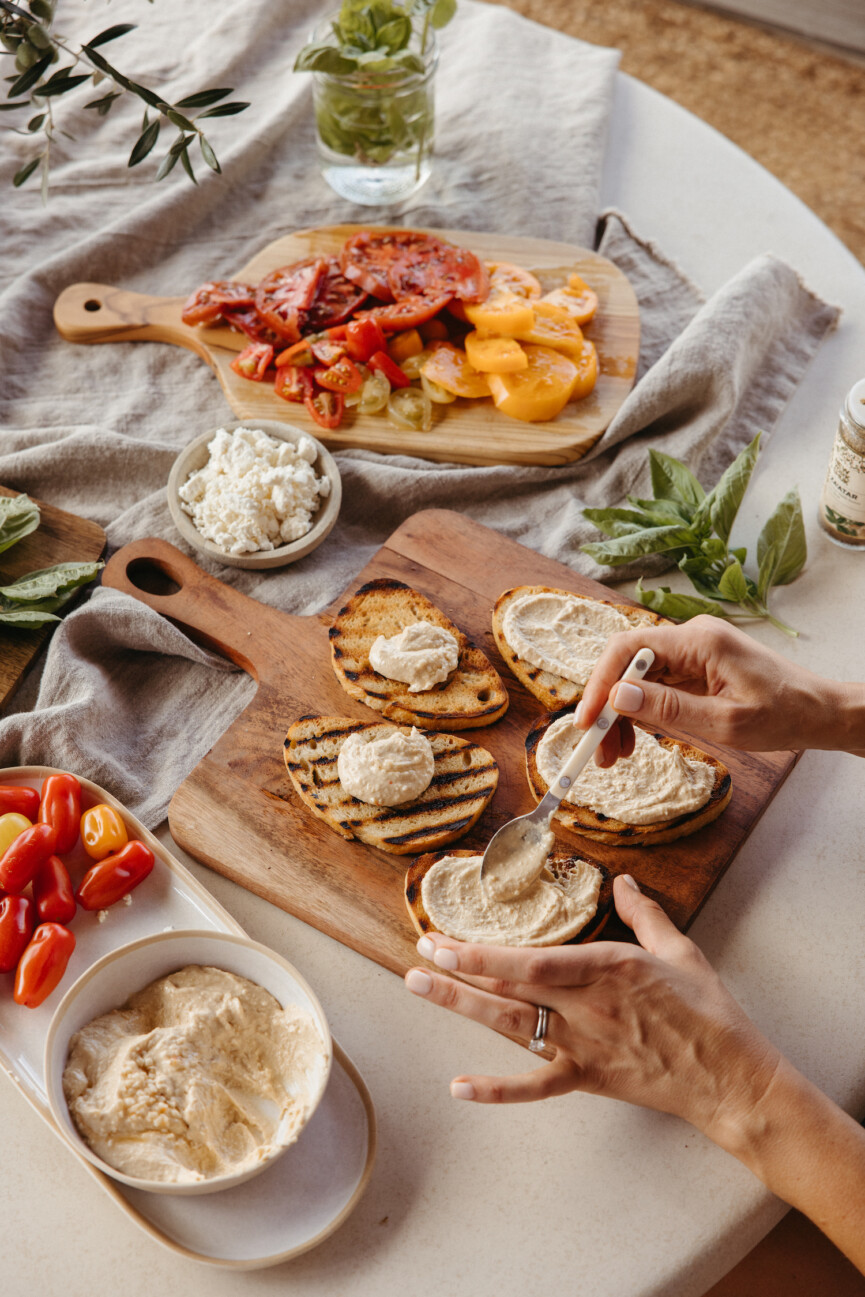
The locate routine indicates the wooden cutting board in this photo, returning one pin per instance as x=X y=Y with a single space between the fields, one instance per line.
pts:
x=60 y=538
x=466 y=432
x=238 y=811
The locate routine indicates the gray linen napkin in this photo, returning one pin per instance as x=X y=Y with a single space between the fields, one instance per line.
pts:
x=125 y=697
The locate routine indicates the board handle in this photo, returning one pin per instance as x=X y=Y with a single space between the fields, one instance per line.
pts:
x=211 y=613
x=100 y=313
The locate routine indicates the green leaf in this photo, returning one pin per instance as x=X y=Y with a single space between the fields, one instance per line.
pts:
x=672 y=480
x=99 y=61
x=27 y=620
x=60 y=87
x=680 y=606
x=732 y=586
x=187 y=164
x=395 y=34
x=324 y=58
x=617 y=522
x=442 y=12
x=144 y=144
x=103 y=105
x=740 y=554
x=177 y=119
x=654 y=540
x=166 y=165
x=203 y=99
x=36 y=122
x=22 y=84
x=110 y=34
x=225 y=110
x=715 y=550
x=208 y=154
x=730 y=491
x=17 y=180
x=52 y=586
x=662 y=512
x=19 y=515
x=782 y=549
x=147 y=95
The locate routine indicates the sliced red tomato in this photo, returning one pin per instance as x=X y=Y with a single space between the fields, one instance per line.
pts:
x=207 y=302
x=434 y=272
x=391 y=370
x=326 y=351
x=326 y=408
x=336 y=299
x=293 y=382
x=366 y=257
x=408 y=313
x=248 y=321
x=343 y=376
x=364 y=337
x=43 y=964
x=254 y=361
x=17 y=920
x=23 y=801
x=286 y=294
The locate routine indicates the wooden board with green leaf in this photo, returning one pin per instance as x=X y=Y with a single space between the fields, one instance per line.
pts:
x=60 y=538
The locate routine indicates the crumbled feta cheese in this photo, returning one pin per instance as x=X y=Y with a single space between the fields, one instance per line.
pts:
x=255 y=492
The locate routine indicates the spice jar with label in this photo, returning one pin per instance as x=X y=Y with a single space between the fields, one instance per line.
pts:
x=842 y=502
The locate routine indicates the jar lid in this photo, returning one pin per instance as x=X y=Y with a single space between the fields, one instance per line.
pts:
x=856 y=403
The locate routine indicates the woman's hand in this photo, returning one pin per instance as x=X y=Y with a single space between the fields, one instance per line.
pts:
x=710 y=680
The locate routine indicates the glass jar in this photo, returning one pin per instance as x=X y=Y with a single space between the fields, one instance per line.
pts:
x=842 y=503
x=375 y=128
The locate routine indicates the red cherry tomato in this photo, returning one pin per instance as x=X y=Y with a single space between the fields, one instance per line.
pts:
x=43 y=964
x=363 y=338
x=24 y=856
x=253 y=361
x=16 y=928
x=293 y=382
x=391 y=370
x=325 y=407
x=23 y=801
x=61 y=808
x=326 y=351
x=113 y=877
x=52 y=892
x=343 y=377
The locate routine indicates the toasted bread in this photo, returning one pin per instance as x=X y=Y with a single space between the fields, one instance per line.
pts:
x=463 y=784
x=473 y=694
x=558 y=864
x=550 y=689
x=602 y=828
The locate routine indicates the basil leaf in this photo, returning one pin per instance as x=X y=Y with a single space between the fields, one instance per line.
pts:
x=442 y=12
x=395 y=34
x=671 y=480
x=654 y=540
x=740 y=554
x=784 y=533
x=680 y=606
x=732 y=585
x=56 y=584
x=713 y=549
x=730 y=491
x=324 y=58
x=18 y=517
x=662 y=511
x=617 y=522
x=28 y=620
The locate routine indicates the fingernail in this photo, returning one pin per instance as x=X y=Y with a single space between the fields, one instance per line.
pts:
x=629 y=698
x=579 y=711
x=462 y=1090
x=419 y=982
x=426 y=948
x=626 y=878
x=446 y=959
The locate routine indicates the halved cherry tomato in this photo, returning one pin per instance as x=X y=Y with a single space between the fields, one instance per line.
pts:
x=326 y=351
x=20 y=861
x=17 y=921
x=11 y=825
x=52 y=892
x=43 y=964
x=254 y=361
x=299 y=353
x=408 y=312
x=392 y=372
x=344 y=376
x=25 y=801
x=325 y=407
x=102 y=831
x=504 y=314
x=284 y=294
x=403 y=345
x=338 y=333
x=207 y=302
x=111 y=879
x=61 y=808
x=364 y=337
x=293 y=382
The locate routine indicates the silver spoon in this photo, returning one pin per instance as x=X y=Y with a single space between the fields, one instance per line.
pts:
x=515 y=855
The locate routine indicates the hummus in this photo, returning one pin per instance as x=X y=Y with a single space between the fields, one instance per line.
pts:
x=550 y=912
x=421 y=655
x=655 y=783
x=562 y=633
x=510 y=873
x=386 y=769
x=202 y=1073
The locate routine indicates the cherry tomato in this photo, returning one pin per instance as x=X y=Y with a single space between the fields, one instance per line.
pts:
x=364 y=337
x=43 y=964
x=52 y=892
x=326 y=351
x=113 y=877
x=11 y=825
x=343 y=376
x=61 y=808
x=207 y=302
x=391 y=370
x=23 y=801
x=102 y=831
x=299 y=353
x=293 y=382
x=253 y=361
x=16 y=928
x=408 y=312
x=23 y=857
x=326 y=408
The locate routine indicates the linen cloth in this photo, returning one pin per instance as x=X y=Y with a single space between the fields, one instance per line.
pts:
x=521 y=121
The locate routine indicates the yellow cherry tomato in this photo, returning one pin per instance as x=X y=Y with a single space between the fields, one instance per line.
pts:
x=553 y=327
x=504 y=275
x=11 y=824
x=503 y=314
x=587 y=372
x=450 y=368
x=403 y=345
x=102 y=831
x=538 y=392
x=495 y=355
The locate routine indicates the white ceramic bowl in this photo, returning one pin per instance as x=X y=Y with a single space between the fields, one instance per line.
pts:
x=195 y=456
x=109 y=982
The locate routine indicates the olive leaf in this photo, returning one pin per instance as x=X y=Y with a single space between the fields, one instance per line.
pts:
x=110 y=33
x=208 y=154
x=144 y=144
x=18 y=517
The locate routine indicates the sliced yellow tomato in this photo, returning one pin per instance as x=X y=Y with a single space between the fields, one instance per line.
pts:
x=578 y=299
x=587 y=372
x=495 y=355
x=405 y=344
x=553 y=327
x=503 y=313
x=450 y=368
x=538 y=392
x=504 y=275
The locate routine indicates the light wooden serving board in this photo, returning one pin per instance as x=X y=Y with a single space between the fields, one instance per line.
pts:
x=60 y=538
x=467 y=432
x=238 y=811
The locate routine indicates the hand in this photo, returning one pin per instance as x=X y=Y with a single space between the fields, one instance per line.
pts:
x=710 y=680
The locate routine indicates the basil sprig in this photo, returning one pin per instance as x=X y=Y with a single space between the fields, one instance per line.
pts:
x=374 y=35
x=36 y=598
x=691 y=527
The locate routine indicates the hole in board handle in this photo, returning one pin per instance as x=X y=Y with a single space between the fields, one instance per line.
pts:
x=92 y=305
x=148 y=576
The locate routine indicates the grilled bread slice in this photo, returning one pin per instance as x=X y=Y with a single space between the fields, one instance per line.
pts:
x=559 y=863
x=473 y=694
x=462 y=787
x=550 y=689
x=602 y=828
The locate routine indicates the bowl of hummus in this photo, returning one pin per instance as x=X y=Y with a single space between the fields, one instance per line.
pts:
x=186 y=1062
